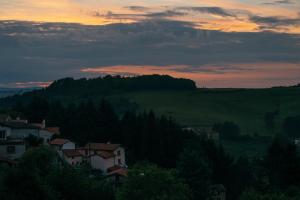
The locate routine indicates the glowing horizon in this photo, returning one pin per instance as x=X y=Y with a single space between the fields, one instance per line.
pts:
x=242 y=75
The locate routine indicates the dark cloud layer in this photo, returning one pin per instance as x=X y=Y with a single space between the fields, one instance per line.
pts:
x=137 y=8
x=278 y=23
x=279 y=2
x=274 y=21
x=32 y=51
x=210 y=10
x=145 y=13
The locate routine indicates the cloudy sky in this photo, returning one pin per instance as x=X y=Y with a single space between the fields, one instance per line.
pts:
x=217 y=43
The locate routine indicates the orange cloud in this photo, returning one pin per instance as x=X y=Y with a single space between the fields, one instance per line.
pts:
x=71 y=11
x=31 y=84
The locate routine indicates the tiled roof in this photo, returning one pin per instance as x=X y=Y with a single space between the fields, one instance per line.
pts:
x=18 y=125
x=117 y=170
x=102 y=146
x=39 y=125
x=54 y=130
x=113 y=168
x=12 y=142
x=59 y=141
x=72 y=153
x=105 y=154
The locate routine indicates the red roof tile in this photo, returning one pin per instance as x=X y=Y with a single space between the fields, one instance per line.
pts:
x=18 y=125
x=54 y=130
x=117 y=170
x=72 y=153
x=59 y=141
x=102 y=146
x=105 y=154
x=113 y=168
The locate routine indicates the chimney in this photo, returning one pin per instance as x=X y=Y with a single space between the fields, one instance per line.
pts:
x=44 y=124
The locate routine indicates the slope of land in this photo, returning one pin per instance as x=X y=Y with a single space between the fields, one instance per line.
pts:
x=179 y=99
x=203 y=107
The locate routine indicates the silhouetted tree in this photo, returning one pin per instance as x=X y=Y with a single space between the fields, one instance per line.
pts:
x=291 y=126
x=228 y=130
x=147 y=182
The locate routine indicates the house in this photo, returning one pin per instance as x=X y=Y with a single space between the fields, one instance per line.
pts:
x=47 y=134
x=103 y=156
x=206 y=132
x=17 y=130
x=60 y=144
x=20 y=129
x=12 y=149
x=13 y=134
x=73 y=156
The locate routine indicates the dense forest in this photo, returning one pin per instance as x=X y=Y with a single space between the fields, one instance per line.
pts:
x=156 y=146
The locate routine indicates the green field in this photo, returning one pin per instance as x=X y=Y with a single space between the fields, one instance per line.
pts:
x=204 y=107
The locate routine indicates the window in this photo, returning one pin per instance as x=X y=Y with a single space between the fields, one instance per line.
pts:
x=119 y=153
x=2 y=134
x=119 y=162
x=11 y=149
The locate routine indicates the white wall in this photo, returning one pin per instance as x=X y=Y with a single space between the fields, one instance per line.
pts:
x=46 y=136
x=121 y=157
x=23 y=133
x=74 y=161
x=68 y=145
x=98 y=162
x=20 y=150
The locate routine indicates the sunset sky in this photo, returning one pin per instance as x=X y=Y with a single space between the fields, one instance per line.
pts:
x=217 y=43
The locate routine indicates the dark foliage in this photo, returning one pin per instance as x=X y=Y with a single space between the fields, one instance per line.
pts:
x=40 y=176
x=282 y=165
x=69 y=88
x=145 y=136
x=269 y=119
x=291 y=126
x=149 y=182
x=203 y=164
x=112 y=84
x=228 y=130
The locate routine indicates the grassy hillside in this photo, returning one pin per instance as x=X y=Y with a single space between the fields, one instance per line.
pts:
x=203 y=107
x=188 y=105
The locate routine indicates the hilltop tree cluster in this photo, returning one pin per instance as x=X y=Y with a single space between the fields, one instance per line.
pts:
x=68 y=88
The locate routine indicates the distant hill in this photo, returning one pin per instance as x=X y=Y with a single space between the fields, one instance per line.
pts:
x=4 y=92
x=70 y=90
